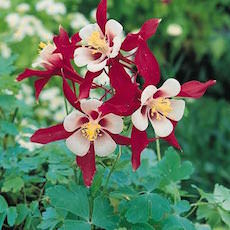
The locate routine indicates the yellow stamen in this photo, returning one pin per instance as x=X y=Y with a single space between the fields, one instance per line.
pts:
x=98 y=43
x=91 y=130
x=160 y=106
x=42 y=45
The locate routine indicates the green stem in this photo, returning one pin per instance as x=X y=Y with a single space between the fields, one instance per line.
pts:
x=158 y=149
x=112 y=169
x=66 y=106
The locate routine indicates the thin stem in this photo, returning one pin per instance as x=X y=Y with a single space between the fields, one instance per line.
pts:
x=66 y=106
x=112 y=169
x=158 y=148
x=193 y=209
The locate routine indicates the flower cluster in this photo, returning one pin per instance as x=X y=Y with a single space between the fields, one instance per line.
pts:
x=94 y=126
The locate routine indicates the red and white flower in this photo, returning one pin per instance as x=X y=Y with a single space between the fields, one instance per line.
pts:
x=89 y=127
x=47 y=58
x=98 y=47
x=159 y=107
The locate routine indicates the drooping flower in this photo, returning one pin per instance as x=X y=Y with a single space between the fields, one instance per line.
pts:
x=100 y=41
x=87 y=133
x=163 y=107
x=55 y=60
x=159 y=107
x=47 y=58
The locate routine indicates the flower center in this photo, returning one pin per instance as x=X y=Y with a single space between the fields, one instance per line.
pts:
x=160 y=106
x=98 y=43
x=91 y=130
x=42 y=46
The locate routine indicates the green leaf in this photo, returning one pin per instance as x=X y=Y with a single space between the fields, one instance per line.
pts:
x=3 y=204
x=73 y=200
x=22 y=211
x=170 y=168
x=49 y=219
x=181 y=207
x=177 y=223
x=225 y=216
x=11 y=216
x=74 y=225
x=142 y=227
x=209 y=213
x=6 y=65
x=13 y=184
x=8 y=128
x=2 y=219
x=147 y=206
x=103 y=214
x=222 y=195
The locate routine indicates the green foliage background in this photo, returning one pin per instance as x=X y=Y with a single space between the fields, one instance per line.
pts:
x=41 y=188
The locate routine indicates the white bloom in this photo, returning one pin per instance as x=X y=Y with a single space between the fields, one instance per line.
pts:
x=12 y=20
x=89 y=127
x=78 y=21
x=23 y=7
x=5 y=50
x=174 y=30
x=5 y=4
x=27 y=25
x=159 y=108
x=98 y=47
x=93 y=14
x=51 y=7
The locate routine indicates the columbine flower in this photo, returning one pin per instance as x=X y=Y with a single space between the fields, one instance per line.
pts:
x=159 y=107
x=100 y=41
x=97 y=46
x=87 y=133
x=47 y=58
x=23 y=7
x=89 y=127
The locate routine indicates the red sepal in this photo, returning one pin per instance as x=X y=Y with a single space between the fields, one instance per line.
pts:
x=171 y=139
x=39 y=85
x=147 y=65
x=86 y=85
x=125 y=100
x=75 y=38
x=120 y=140
x=139 y=141
x=101 y=14
x=87 y=166
x=51 y=134
x=147 y=30
x=195 y=89
x=70 y=95
x=38 y=73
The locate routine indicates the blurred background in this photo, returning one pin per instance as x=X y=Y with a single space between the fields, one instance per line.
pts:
x=192 y=43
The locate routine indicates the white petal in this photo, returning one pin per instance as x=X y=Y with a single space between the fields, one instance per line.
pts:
x=170 y=88
x=139 y=120
x=104 y=145
x=83 y=56
x=90 y=105
x=148 y=92
x=177 y=112
x=162 y=127
x=113 y=28
x=112 y=123
x=116 y=46
x=47 y=51
x=78 y=144
x=95 y=67
x=73 y=121
x=86 y=31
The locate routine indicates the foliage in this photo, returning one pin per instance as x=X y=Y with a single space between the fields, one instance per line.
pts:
x=41 y=188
